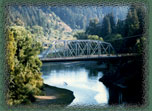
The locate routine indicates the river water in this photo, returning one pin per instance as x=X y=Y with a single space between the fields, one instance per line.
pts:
x=81 y=77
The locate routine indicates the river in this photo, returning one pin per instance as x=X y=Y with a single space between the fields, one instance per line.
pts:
x=81 y=77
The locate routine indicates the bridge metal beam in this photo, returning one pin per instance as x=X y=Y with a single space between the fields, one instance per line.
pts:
x=76 y=48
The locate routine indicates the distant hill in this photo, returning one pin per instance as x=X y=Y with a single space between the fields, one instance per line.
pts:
x=45 y=26
x=78 y=17
x=48 y=23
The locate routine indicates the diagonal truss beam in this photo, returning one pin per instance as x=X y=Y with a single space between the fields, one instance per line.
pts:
x=76 y=48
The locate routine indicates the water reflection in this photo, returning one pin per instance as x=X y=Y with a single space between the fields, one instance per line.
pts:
x=79 y=77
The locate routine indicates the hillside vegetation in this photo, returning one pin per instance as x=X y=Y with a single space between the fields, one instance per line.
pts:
x=126 y=36
x=48 y=23
x=43 y=26
x=78 y=17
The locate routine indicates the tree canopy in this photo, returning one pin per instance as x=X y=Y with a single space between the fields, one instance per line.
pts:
x=127 y=33
x=24 y=66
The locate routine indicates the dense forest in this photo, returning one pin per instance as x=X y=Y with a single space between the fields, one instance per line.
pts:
x=126 y=36
x=31 y=27
x=53 y=23
x=113 y=24
x=79 y=17
x=43 y=26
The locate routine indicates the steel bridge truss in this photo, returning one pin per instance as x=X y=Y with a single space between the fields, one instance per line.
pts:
x=78 y=48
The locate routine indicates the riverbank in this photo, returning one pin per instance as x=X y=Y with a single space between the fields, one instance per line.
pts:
x=125 y=82
x=54 y=96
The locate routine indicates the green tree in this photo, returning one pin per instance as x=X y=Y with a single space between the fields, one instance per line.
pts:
x=131 y=29
x=112 y=22
x=106 y=26
x=116 y=41
x=140 y=45
x=141 y=13
x=94 y=37
x=132 y=23
x=120 y=27
x=92 y=29
x=24 y=66
x=81 y=35
x=37 y=30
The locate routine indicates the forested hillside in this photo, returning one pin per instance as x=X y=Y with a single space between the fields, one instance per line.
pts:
x=44 y=26
x=48 y=23
x=125 y=35
x=106 y=23
x=78 y=17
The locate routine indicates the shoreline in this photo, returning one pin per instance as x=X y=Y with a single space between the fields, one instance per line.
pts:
x=54 y=96
x=126 y=82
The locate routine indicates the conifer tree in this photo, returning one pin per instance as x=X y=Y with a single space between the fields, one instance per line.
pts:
x=106 y=26
x=92 y=28
x=112 y=22
x=132 y=23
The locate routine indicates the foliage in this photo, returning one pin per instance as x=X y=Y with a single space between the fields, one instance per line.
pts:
x=132 y=23
x=78 y=17
x=123 y=34
x=106 y=26
x=116 y=41
x=134 y=26
x=24 y=66
x=140 y=44
x=120 y=27
x=93 y=28
x=44 y=26
x=81 y=35
x=94 y=37
x=48 y=23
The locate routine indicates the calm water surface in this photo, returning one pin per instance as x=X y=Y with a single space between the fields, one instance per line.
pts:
x=79 y=77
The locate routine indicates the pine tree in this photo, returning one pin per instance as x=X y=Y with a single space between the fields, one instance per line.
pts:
x=131 y=29
x=106 y=26
x=132 y=23
x=112 y=22
x=92 y=28
x=141 y=13
x=120 y=27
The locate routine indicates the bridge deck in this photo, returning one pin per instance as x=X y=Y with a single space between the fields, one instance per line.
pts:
x=93 y=57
